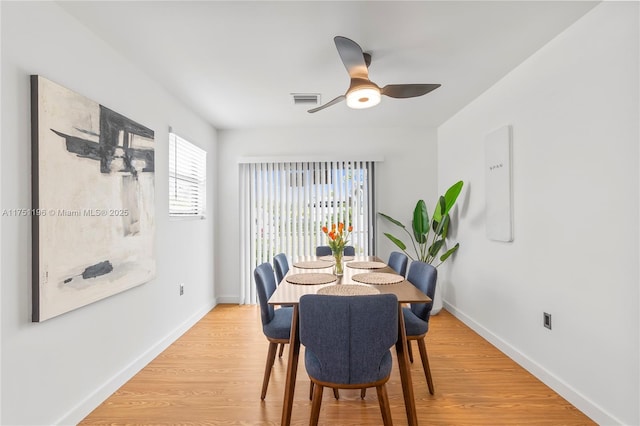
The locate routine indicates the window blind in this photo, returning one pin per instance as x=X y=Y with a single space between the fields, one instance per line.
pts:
x=187 y=178
x=284 y=205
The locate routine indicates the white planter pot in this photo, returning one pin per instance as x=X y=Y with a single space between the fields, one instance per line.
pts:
x=437 y=300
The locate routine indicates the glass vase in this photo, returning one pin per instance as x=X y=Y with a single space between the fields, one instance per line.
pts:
x=338 y=268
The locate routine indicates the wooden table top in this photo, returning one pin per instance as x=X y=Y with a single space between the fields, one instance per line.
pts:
x=289 y=294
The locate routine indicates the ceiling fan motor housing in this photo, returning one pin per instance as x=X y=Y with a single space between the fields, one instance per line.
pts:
x=362 y=93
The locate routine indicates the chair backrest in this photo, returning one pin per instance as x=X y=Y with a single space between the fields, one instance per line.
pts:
x=349 y=335
x=281 y=266
x=398 y=262
x=323 y=251
x=424 y=276
x=326 y=251
x=265 y=286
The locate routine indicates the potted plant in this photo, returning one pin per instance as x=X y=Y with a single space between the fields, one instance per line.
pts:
x=429 y=235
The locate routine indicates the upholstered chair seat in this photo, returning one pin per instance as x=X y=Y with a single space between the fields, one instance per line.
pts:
x=276 y=323
x=348 y=347
x=423 y=276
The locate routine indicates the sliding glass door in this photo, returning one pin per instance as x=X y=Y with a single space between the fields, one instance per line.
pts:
x=285 y=204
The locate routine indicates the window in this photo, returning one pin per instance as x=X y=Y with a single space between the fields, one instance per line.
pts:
x=187 y=178
x=285 y=204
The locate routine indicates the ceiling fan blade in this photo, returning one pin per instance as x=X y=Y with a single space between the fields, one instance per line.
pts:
x=352 y=57
x=328 y=104
x=408 y=90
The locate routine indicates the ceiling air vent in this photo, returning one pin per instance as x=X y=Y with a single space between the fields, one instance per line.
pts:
x=306 y=99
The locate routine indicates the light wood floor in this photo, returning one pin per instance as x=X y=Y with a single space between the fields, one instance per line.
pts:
x=213 y=375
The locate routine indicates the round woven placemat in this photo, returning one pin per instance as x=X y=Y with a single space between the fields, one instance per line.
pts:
x=366 y=265
x=378 y=278
x=311 y=278
x=331 y=258
x=312 y=264
x=347 y=290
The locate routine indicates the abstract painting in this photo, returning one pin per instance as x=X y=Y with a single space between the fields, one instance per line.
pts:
x=92 y=201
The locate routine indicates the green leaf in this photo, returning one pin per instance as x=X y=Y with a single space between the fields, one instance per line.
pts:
x=446 y=203
x=440 y=208
x=449 y=252
x=396 y=241
x=420 y=222
x=445 y=228
x=442 y=226
x=451 y=195
x=392 y=220
x=435 y=247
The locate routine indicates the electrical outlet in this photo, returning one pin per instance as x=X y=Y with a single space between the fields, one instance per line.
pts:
x=546 y=321
x=181 y=289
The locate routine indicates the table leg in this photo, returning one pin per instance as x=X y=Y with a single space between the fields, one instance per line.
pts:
x=292 y=369
x=405 y=370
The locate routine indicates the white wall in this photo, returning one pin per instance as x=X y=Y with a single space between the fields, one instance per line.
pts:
x=574 y=110
x=407 y=173
x=55 y=372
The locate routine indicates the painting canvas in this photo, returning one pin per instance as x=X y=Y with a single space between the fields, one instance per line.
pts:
x=498 y=206
x=92 y=201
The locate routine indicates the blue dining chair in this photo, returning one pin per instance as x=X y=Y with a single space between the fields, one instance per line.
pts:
x=323 y=251
x=276 y=323
x=346 y=347
x=398 y=262
x=326 y=251
x=416 y=317
x=281 y=266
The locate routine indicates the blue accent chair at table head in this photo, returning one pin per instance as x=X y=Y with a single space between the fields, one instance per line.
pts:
x=346 y=346
x=423 y=276
x=326 y=251
x=276 y=323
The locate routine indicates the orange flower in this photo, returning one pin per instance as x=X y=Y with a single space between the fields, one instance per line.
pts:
x=337 y=235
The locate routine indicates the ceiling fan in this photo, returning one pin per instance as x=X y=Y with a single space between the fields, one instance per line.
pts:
x=362 y=92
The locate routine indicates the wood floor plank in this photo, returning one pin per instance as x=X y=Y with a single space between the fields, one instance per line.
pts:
x=213 y=374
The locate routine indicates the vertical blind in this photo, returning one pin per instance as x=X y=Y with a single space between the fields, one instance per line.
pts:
x=187 y=178
x=285 y=204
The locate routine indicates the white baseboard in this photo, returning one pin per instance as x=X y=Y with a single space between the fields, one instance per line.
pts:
x=86 y=406
x=588 y=407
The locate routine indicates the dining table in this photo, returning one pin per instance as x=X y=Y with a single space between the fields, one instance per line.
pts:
x=362 y=275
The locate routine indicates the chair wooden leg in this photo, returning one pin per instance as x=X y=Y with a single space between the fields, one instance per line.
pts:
x=281 y=350
x=315 y=405
x=385 y=409
x=310 y=391
x=425 y=364
x=363 y=393
x=336 y=395
x=409 y=351
x=271 y=357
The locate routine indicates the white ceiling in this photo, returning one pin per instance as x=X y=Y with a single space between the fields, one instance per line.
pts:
x=236 y=63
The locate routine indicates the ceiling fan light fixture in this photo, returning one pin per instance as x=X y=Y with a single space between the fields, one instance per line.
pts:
x=363 y=97
x=362 y=92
